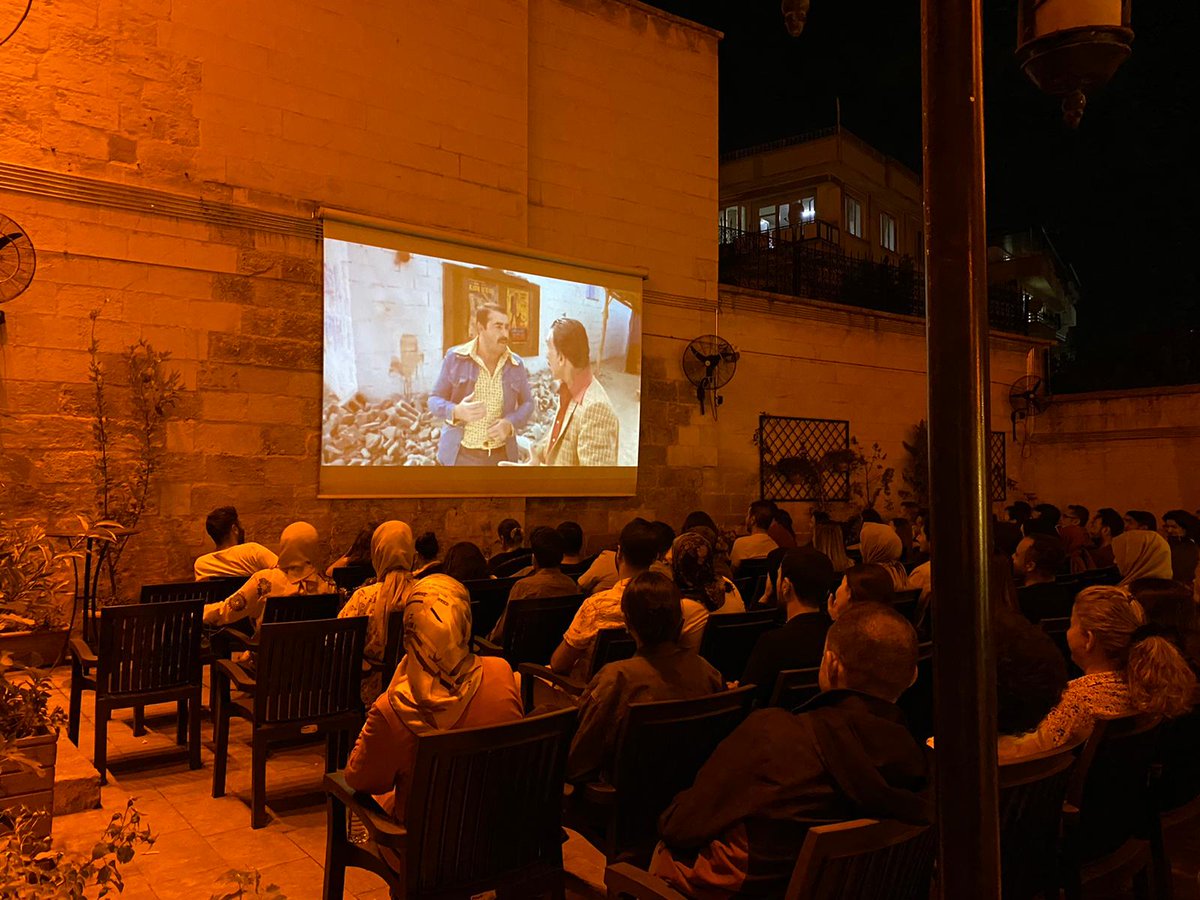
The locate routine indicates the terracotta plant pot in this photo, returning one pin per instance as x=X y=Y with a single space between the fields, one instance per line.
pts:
x=27 y=779
x=43 y=647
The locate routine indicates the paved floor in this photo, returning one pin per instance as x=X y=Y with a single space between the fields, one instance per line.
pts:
x=200 y=839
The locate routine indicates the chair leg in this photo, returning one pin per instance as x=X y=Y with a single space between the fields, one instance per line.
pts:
x=1141 y=883
x=333 y=742
x=193 y=722
x=221 y=748
x=139 y=721
x=76 y=704
x=181 y=721
x=258 y=782
x=100 y=751
x=335 y=850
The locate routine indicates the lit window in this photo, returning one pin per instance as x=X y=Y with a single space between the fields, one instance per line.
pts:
x=854 y=217
x=731 y=223
x=887 y=232
x=784 y=220
x=766 y=218
x=808 y=209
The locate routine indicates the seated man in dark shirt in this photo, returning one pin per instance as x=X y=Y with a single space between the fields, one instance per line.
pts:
x=805 y=579
x=659 y=670
x=738 y=830
x=1035 y=563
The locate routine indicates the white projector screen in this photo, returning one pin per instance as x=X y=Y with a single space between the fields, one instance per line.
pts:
x=459 y=371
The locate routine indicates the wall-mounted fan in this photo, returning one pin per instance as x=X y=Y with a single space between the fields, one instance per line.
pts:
x=1028 y=397
x=17 y=259
x=709 y=362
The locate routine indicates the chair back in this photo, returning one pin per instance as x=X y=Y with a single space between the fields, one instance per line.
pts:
x=301 y=608
x=1056 y=629
x=1044 y=601
x=577 y=569
x=1177 y=777
x=351 y=578
x=612 y=645
x=1110 y=785
x=795 y=687
x=309 y=669
x=729 y=639
x=488 y=598
x=511 y=567
x=752 y=568
x=865 y=858
x=661 y=747
x=146 y=647
x=485 y=806
x=908 y=604
x=1110 y=575
x=533 y=626
x=1031 y=798
x=917 y=701
x=208 y=591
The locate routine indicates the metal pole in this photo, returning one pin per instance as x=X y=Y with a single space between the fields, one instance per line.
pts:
x=956 y=315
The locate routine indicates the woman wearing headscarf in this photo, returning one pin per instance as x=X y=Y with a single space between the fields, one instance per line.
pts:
x=693 y=560
x=881 y=546
x=1141 y=554
x=392 y=558
x=296 y=572
x=440 y=685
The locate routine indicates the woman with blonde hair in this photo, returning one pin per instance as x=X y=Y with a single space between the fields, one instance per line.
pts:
x=827 y=537
x=881 y=546
x=1129 y=666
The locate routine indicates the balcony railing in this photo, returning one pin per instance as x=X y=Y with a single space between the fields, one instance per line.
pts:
x=777 y=262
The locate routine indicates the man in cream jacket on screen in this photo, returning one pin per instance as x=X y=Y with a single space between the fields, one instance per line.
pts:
x=586 y=429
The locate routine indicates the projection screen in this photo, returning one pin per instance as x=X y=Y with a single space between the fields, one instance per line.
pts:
x=454 y=370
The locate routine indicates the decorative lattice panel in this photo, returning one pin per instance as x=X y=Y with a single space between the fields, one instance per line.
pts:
x=997 y=467
x=803 y=459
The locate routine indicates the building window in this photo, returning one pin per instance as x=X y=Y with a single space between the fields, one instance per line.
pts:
x=731 y=222
x=808 y=209
x=887 y=232
x=854 y=217
x=766 y=218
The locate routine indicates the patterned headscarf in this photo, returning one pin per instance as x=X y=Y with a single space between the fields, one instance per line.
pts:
x=439 y=674
x=692 y=564
x=1142 y=554
x=299 y=551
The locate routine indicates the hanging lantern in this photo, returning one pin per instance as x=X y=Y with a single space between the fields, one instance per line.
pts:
x=1069 y=48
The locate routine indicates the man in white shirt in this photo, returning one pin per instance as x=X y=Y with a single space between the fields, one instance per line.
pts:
x=232 y=557
x=757 y=544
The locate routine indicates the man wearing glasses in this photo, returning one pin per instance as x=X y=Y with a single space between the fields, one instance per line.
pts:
x=586 y=429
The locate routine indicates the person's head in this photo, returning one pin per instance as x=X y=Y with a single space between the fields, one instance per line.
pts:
x=572 y=538
x=637 y=548
x=879 y=543
x=1001 y=584
x=1109 y=632
x=1038 y=558
x=871 y=648
x=1142 y=554
x=652 y=610
x=1047 y=513
x=1076 y=515
x=359 y=553
x=864 y=583
x=427 y=546
x=491 y=326
x=1030 y=673
x=820 y=517
x=391 y=548
x=511 y=534
x=547 y=547
x=693 y=565
x=1106 y=524
x=439 y=673
x=923 y=537
x=567 y=349
x=871 y=514
x=299 y=550
x=699 y=517
x=771 y=589
x=760 y=516
x=806 y=576
x=784 y=519
x=223 y=527
x=465 y=562
x=664 y=536
x=1140 y=520
x=1019 y=512
x=829 y=540
x=1179 y=524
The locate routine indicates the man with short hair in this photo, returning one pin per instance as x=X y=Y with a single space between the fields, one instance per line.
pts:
x=664 y=535
x=482 y=395
x=586 y=430
x=1019 y=512
x=1104 y=526
x=637 y=550
x=572 y=538
x=1140 y=520
x=233 y=556
x=758 y=542
x=546 y=579
x=1076 y=515
x=805 y=578
x=738 y=830
x=1035 y=564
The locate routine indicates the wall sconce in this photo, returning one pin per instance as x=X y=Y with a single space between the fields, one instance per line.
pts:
x=1069 y=48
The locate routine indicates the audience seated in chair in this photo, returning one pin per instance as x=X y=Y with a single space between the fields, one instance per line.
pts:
x=739 y=828
x=757 y=542
x=1035 y=563
x=426 y=561
x=392 y=558
x=1170 y=604
x=1140 y=520
x=1182 y=531
x=1129 y=667
x=512 y=541
x=1105 y=527
x=664 y=538
x=233 y=556
x=601 y=575
x=659 y=670
x=465 y=562
x=782 y=530
x=636 y=552
x=1031 y=676
x=881 y=546
x=827 y=537
x=921 y=576
x=805 y=577
x=693 y=567
x=295 y=572
x=547 y=579
x=1142 y=554
x=440 y=685
x=864 y=583
x=359 y=553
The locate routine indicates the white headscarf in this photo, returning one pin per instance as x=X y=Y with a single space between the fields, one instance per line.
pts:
x=879 y=544
x=1142 y=554
x=299 y=551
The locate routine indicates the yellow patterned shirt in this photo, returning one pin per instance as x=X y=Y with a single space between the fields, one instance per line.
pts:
x=489 y=387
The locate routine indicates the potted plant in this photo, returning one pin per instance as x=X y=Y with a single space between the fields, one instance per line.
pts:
x=34 y=621
x=28 y=746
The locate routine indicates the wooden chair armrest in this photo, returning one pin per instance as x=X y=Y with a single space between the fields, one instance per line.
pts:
x=236 y=674
x=238 y=637
x=484 y=647
x=622 y=878
x=82 y=652
x=545 y=673
x=383 y=830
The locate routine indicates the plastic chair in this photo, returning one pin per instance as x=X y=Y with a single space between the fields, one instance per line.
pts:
x=795 y=687
x=729 y=639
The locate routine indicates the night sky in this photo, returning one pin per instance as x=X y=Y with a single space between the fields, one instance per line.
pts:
x=1120 y=197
